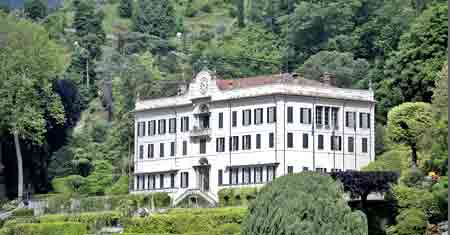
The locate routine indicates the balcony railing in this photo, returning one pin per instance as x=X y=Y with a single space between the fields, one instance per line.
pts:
x=198 y=132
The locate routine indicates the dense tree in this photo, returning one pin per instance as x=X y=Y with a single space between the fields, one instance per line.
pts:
x=35 y=9
x=155 y=17
x=407 y=123
x=347 y=70
x=29 y=62
x=241 y=13
x=362 y=183
x=321 y=210
x=410 y=71
x=125 y=8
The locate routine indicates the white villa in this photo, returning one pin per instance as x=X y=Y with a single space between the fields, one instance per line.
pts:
x=245 y=132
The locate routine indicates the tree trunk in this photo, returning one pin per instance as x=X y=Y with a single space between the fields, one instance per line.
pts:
x=414 y=156
x=19 y=167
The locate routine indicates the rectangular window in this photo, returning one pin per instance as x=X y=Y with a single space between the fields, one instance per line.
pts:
x=141 y=151
x=364 y=120
x=270 y=173
x=290 y=169
x=290 y=140
x=172 y=180
x=320 y=142
x=258 y=116
x=185 y=147
x=305 y=140
x=151 y=182
x=220 y=175
x=350 y=119
x=258 y=141
x=220 y=144
x=246 y=142
x=246 y=117
x=202 y=146
x=152 y=127
x=161 y=150
x=271 y=144
x=246 y=175
x=184 y=179
x=271 y=114
x=290 y=114
x=321 y=170
x=326 y=116
x=234 y=118
x=151 y=151
x=172 y=149
x=351 y=144
x=143 y=129
x=234 y=143
x=334 y=117
x=161 y=126
x=258 y=174
x=161 y=180
x=220 y=120
x=336 y=143
x=184 y=124
x=305 y=115
x=364 y=145
x=234 y=175
x=319 y=116
x=172 y=125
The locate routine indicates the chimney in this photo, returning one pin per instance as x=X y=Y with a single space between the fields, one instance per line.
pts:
x=328 y=79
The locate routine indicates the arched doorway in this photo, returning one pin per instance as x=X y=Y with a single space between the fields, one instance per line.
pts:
x=202 y=172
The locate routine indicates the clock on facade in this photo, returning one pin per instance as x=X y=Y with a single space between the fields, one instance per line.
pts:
x=203 y=85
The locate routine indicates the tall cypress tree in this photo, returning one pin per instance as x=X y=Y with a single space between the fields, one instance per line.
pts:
x=241 y=13
x=35 y=9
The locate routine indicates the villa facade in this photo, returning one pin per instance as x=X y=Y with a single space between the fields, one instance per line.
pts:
x=245 y=132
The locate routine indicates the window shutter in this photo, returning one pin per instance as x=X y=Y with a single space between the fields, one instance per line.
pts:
x=368 y=120
x=340 y=143
x=301 y=116
x=360 y=120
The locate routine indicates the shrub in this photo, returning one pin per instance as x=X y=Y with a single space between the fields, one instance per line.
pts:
x=120 y=187
x=206 y=8
x=93 y=221
x=393 y=160
x=412 y=178
x=68 y=185
x=49 y=228
x=23 y=212
x=99 y=179
x=410 y=222
x=228 y=229
x=237 y=196
x=307 y=203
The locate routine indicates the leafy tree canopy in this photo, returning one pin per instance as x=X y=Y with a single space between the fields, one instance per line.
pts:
x=155 y=17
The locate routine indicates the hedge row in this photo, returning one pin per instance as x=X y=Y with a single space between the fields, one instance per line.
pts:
x=59 y=228
x=179 y=222
x=63 y=204
x=23 y=212
x=237 y=196
x=94 y=221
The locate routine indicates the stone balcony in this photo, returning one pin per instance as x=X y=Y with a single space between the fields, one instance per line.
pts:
x=200 y=132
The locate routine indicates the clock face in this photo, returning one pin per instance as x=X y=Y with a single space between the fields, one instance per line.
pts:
x=203 y=85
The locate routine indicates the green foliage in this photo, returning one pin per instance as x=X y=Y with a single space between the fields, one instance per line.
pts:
x=412 y=177
x=411 y=69
x=393 y=160
x=91 y=221
x=119 y=187
x=407 y=123
x=100 y=179
x=410 y=222
x=155 y=17
x=69 y=185
x=49 y=228
x=321 y=210
x=35 y=9
x=125 y=8
x=23 y=212
x=181 y=221
x=347 y=70
x=237 y=196
x=30 y=63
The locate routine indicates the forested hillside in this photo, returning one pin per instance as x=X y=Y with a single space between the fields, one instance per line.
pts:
x=70 y=76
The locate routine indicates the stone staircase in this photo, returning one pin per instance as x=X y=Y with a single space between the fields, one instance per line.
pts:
x=209 y=197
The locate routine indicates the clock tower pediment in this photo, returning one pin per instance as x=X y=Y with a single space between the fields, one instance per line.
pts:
x=203 y=85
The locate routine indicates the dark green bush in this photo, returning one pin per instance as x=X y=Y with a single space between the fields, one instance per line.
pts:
x=303 y=203
x=120 y=187
x=49 y=228
x=23 y=212
x=228 y=229
x=412 y=178
x=237 y=196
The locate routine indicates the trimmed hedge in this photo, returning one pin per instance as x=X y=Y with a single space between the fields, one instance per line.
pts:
x=182 y=221
x=47 y=229
x=93 y=221
x=237 y=196
x=23 y=212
